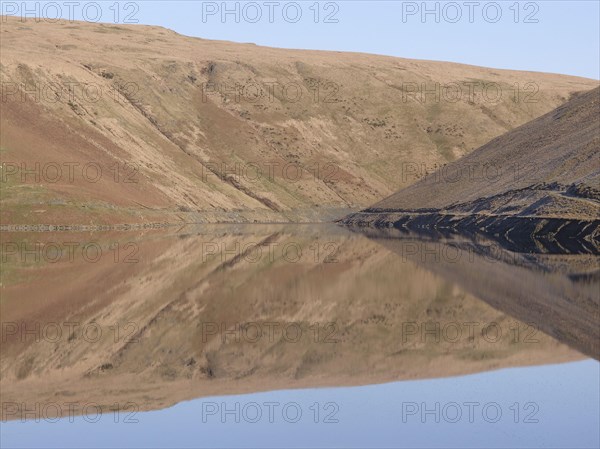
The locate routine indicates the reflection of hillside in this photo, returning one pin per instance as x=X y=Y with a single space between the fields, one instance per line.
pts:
x=186 y=285
x=559 y=293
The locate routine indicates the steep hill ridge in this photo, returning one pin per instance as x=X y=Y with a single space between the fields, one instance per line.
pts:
x=559 y=160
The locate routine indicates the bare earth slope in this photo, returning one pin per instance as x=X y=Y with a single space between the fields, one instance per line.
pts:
x=196 y=130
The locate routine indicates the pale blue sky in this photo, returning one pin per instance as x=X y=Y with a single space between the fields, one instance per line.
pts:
x=565 y=38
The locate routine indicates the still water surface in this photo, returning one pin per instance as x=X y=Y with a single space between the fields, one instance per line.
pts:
x=295 y=336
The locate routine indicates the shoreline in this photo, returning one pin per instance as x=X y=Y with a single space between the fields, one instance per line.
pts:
x=525 y=234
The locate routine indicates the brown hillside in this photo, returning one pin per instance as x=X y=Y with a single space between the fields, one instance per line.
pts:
x=162 y=109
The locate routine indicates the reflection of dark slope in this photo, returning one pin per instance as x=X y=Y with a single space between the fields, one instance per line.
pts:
x=516 y=234
x=530 y=234
x=558 y=293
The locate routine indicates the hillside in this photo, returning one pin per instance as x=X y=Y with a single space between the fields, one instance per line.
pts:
x=549 y=167
x=157 y=126
x=540 y=179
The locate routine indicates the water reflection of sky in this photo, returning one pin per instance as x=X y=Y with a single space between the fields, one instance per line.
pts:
x=564 y=399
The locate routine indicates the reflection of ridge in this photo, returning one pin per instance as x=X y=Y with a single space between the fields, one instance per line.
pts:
x=558 y=293
x=247 y=252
